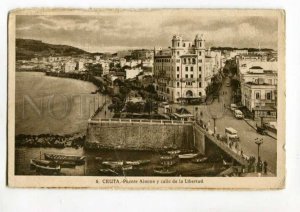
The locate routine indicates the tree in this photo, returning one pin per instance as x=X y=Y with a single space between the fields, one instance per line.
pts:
x=95 y=69
x=132 y=107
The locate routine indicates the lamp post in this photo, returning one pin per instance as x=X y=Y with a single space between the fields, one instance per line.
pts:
x=258 y=143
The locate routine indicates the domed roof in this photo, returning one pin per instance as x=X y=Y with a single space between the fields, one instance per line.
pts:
x=199 y=37
x=177 y=37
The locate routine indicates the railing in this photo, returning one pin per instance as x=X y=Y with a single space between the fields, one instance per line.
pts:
x=139 y=121
x=234 y=154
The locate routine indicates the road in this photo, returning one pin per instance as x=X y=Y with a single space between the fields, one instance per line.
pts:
x=225 y=118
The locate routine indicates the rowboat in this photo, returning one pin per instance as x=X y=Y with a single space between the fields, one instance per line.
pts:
x=227 y=163
x=74 y=158
x=188 y=155
x=45 y=167
x=167 y=157
x=137 y=162
x=108 y=171
x=174 y=152
x=199 y=160
x=164 y=171
x=113 y=164
x=126 y=167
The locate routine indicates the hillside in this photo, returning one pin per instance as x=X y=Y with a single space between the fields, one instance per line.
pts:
x=27 y=49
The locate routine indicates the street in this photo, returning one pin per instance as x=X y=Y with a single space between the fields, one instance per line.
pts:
x=225 y=118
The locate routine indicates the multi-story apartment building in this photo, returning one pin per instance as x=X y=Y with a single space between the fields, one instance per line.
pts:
x=179 y=71
x=259 y=90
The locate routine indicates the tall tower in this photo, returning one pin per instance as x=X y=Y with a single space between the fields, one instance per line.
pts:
x=176 y=46
x=200 y=52
x=199 y=45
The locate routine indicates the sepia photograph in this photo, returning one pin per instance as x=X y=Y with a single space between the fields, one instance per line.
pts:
x=158 y=99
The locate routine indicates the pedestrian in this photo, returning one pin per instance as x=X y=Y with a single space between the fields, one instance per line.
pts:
x=265 y=167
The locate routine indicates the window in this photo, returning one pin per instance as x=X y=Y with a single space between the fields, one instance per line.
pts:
x=178 y=84
x=177 y=68
x=178 y=61
x=177 y=52
x=183 y=45
x=200 y=84
x=269 y=95
x=184 y=60
x=200 y=68
x=194 y=61
x=270 y=81
x=192 y=76
x=178 y=44
x=200 y=53
x=200 y=61
x=200 y=44
x=178 y=94
x=189 y=60
x=186 y=68
x=189 y=83
x=192 y=68
x=200 y=94
x=257 y=96
x=186 y=76
x=177 y=75
x=199 y=76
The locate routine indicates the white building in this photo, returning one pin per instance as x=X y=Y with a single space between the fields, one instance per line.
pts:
x=259 y=89
x=181 y=70
x=132 y=73
x=69 y=66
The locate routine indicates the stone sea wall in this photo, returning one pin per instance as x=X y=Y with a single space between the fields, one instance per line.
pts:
x=139 y=136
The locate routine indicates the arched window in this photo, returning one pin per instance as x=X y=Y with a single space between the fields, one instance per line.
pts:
x=189 y=93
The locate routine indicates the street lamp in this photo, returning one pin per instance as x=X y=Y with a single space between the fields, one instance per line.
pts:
x=258 y=143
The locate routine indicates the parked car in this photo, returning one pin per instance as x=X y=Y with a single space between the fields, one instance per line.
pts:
x=233 y=107
x=261 y=130
x=238 y=114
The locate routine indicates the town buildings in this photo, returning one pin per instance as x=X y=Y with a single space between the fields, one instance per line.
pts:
x=258 y=80
x=183 y=71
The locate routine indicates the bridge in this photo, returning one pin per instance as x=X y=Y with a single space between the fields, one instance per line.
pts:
x=223 y=146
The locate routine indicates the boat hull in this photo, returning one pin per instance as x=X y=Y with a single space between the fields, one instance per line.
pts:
x=78 y=160
x=45 y=168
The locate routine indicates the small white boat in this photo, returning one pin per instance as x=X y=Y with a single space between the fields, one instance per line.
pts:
x=174 y=152
x=137 y=162
x=164 y=171
x=126 y=167
x=227 y=163
x=188 y=155
x=167 y=157
x=113 y=163
x=199 y=160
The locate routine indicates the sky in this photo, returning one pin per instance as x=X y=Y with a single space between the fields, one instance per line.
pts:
x=119 y=30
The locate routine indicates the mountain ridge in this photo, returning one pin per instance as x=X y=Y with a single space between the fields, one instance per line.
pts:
x=30 y=48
